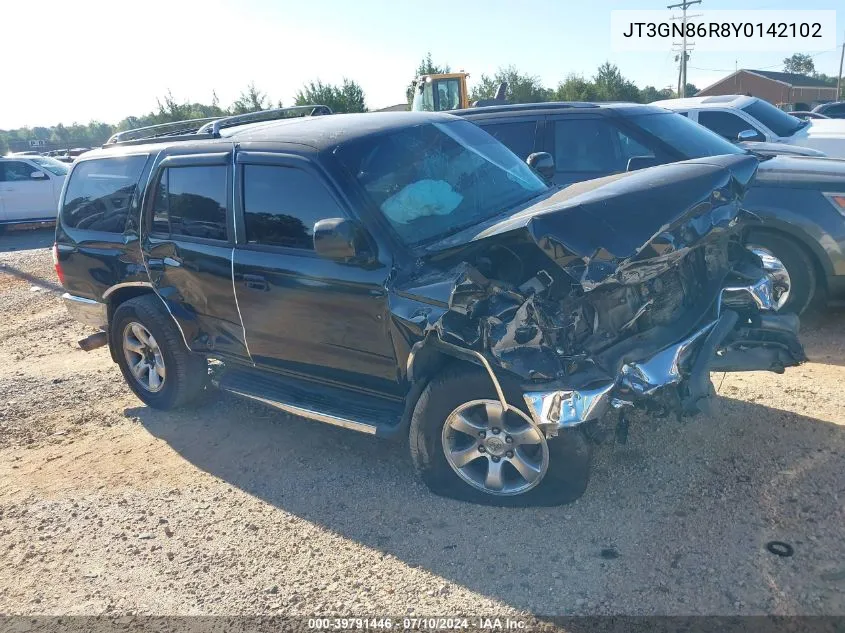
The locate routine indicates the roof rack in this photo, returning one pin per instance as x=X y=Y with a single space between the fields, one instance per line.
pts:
x=172 y=128
x=215 y=126
x=209 y=127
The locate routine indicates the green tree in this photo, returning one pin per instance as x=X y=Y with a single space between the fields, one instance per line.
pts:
x=612 y=86
x=250 y=100
x=348 y=97
x=4 y=145
x=425 y=67
x=522 y=87
x=799 y=63
x=575 y=88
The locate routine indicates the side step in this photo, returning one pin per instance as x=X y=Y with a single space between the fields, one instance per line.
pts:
x=332 y=405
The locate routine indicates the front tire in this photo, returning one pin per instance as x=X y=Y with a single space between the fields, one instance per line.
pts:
x=454 y=460
x=152 y=355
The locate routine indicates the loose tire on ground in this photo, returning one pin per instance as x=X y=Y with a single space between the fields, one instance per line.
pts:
x=186 y=373
x=569 y=453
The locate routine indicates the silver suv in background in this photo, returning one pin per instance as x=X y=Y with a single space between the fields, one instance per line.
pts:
x=740 y=118
x=30 y=187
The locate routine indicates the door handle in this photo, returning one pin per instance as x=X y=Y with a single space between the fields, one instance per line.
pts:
x=256 y=282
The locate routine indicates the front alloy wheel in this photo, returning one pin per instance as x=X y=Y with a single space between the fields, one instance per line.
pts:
x=466 y=445
x=496 y=451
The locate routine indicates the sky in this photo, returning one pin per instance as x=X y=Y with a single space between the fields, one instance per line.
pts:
x=83 y=60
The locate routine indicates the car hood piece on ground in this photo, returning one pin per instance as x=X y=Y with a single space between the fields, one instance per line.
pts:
x=657 y=291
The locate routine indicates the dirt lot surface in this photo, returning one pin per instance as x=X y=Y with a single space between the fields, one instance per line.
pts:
x=109 y=507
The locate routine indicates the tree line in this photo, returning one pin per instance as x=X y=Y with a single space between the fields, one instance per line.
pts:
x=346 y=97
x=606 y=84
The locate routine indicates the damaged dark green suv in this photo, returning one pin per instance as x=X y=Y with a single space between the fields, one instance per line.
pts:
x=407 y=275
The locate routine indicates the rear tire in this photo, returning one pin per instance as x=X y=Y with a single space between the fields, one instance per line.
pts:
x=185 y=373
x=569 y=454
x=803 y=291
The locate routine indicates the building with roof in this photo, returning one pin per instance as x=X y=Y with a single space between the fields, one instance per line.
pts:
x=774 y=87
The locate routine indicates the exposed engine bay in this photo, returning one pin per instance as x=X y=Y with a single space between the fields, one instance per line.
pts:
x=586 y=322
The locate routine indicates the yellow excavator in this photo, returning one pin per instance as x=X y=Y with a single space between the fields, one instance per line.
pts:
x=447 y=91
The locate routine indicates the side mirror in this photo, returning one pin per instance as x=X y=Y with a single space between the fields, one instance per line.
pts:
x=38 y=175
x=641 y=162
x=749 y=135
x=542 y=163
x=340 y=239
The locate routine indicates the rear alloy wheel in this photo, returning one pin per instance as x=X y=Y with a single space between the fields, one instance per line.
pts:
x=144 y=357
x=791 y=270
x=152 y=355
x=466 y=445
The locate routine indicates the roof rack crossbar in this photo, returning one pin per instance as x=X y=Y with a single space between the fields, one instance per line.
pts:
x=151 y=131
x=214 y=127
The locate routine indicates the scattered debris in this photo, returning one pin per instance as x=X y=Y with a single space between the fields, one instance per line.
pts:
x=779 y=548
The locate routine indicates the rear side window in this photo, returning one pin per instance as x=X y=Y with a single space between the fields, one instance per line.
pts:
x=191 y=202
x=282 y=204
x=16 y=171
x=517 y=137
x=101 y=193
x=724 y=124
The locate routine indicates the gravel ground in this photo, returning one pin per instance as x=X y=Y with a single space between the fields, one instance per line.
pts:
x=108 y=507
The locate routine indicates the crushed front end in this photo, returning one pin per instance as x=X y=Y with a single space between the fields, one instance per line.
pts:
x=627 y=293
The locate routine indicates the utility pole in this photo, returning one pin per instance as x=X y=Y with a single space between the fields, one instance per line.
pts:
x=683 y=55
x=839 y=78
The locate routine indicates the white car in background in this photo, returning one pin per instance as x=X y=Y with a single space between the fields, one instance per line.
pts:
x=30 y=187
x=739 y=118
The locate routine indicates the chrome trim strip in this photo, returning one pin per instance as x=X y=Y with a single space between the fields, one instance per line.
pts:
x=663 y=368
x=760 y=292
x=495 y=380
x=555 y=410
x=353 y=425
x=84 y=300
x=238 y=307
x=127 y=284
x=86 y=311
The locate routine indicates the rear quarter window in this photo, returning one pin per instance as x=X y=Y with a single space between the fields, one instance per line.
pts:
x=102 y=192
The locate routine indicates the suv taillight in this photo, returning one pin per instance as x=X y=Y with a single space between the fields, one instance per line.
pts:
x=59 y=273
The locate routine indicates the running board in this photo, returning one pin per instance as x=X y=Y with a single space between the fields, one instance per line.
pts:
x=330 y=405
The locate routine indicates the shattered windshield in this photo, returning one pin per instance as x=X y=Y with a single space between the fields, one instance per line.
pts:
x=434 y=179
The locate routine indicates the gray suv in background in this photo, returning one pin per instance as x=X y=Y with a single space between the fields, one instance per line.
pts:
x=799 y=201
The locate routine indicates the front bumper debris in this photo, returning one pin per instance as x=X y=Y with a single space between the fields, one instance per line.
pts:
x=767 y=341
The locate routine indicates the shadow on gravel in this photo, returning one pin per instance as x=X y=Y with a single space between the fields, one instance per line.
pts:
x=821 y=335
x=23 y=240
x=36 y=281
x=680 y=504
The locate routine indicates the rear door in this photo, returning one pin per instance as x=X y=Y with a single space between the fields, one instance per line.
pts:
x=728 y=124
x=187 y=244
x=521 y=135
x=589 y=146
x=25 y=197
x=304 y=314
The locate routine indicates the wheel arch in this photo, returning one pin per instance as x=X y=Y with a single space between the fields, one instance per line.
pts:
x=427 y=358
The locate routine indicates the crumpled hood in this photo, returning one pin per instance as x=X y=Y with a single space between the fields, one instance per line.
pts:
x=606 y=229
